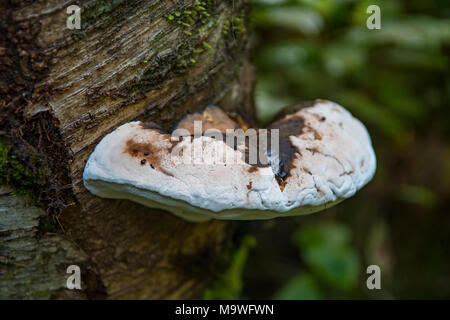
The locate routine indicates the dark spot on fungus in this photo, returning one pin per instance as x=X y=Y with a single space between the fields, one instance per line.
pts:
x=323 y=119
x=249 y=186
x=147 y=151
x=135 y=148
x=292 y=126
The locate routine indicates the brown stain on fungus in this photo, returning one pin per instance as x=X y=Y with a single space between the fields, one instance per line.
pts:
x=249 y=186
x=313 y=150
x=291 y=126
x=148 y=152
x=317 y=136
x=252 y=169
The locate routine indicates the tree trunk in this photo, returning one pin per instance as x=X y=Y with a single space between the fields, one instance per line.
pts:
x=61 y=92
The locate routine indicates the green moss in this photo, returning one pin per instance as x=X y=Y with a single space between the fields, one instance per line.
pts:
x=206 y=45
x=234 y=27
x=197 y=19
x=23 y=179
x=197 y=23
x=99 y=9
x=238 y=25
x=97 y=12
x=229 y=284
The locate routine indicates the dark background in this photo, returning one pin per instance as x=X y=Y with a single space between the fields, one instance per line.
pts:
x=396 y=81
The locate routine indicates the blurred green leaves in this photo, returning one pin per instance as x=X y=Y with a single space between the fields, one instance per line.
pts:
x=417 y=195
x=302 y=287
x=326 y=250
x=294 y=18
x=414 y=32
x=396 y=81
x=392 y=78
x=330 y=258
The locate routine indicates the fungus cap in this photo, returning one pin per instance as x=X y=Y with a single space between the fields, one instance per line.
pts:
x=325 y=155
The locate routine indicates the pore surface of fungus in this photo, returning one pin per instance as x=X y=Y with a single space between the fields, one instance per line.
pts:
x=323 y=155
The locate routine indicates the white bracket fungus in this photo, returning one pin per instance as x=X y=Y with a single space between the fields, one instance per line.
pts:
x=323 y=155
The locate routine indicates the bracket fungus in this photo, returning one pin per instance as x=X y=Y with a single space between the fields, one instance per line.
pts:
x=312 y=159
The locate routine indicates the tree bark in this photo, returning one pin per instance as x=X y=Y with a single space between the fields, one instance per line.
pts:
x=61 y=92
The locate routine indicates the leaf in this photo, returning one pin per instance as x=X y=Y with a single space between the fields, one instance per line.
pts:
x=268 y=102
x=322 y=235
x=295 y=18
x=300 y=287
x=368 y=111
x=325 y=248
x=339 y=267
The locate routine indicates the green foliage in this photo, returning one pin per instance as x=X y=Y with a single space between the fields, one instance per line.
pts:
x=98 y=9
x=322 y=49
x=229 y=284
x=292 y=17
x=418 y=195
x=396 y=80
x=327 y=251
x=331 y=260
x=301 y=287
